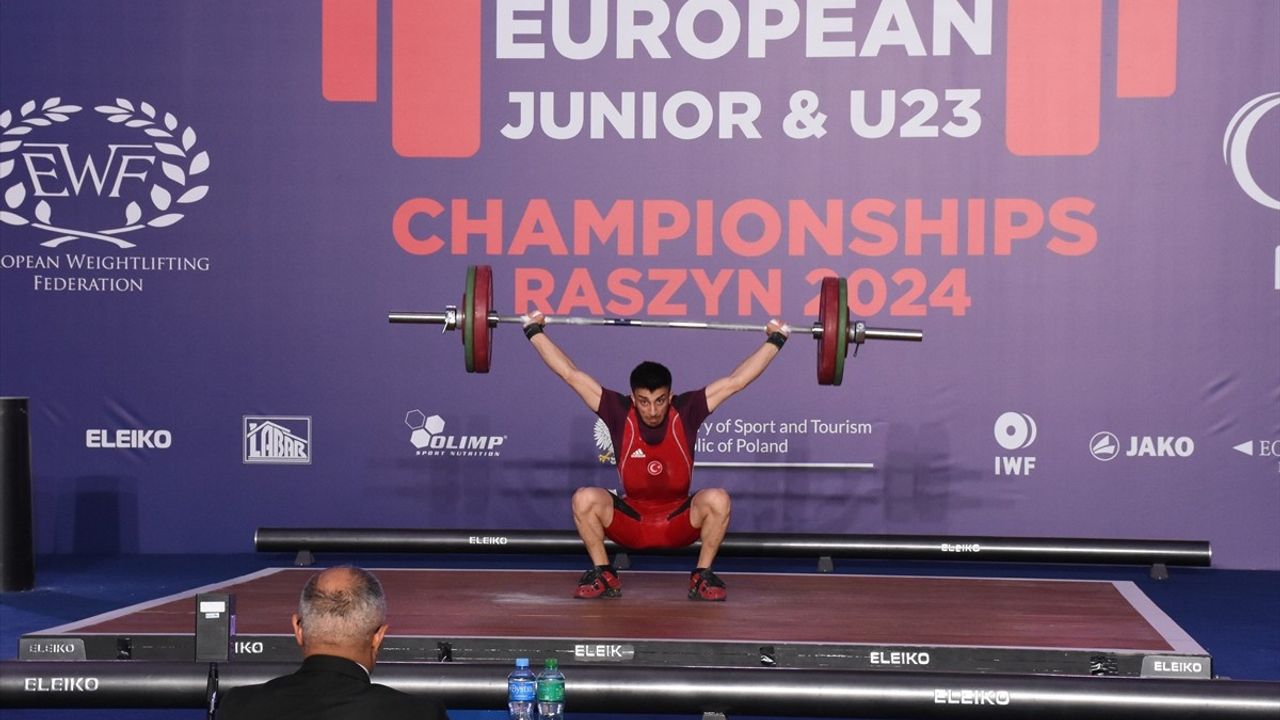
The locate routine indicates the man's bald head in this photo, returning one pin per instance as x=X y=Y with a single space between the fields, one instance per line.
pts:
x=341 y=607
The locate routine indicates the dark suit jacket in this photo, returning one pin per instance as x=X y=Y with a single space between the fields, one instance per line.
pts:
x=326 y=688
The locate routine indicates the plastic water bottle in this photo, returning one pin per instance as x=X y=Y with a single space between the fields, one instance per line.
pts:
x=551 y=691
x=521 y=691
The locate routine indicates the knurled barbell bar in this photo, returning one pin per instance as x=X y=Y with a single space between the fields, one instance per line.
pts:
x=834 y=331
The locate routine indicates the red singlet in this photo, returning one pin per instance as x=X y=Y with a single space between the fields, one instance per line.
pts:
x=655 y=466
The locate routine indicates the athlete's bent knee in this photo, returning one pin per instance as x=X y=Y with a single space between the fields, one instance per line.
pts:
x=716 y=500
x=589 y=499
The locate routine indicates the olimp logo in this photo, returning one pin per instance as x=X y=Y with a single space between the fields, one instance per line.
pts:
x=428 y=436
x=93 y=183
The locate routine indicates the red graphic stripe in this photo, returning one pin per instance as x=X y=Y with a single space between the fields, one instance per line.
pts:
x=349 y=50
x=1147 y=48
x=435 y=77
x=1053 y=76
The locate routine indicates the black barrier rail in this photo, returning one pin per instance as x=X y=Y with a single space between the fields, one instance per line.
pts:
x=1193 y=553
x=745 y=692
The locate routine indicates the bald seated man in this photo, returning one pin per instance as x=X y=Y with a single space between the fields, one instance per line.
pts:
x=340 y=623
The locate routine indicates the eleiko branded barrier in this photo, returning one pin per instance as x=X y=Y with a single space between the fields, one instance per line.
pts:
x=813 y=693
x=1193 y=553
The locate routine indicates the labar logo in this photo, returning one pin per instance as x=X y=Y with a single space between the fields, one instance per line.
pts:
x=277 y=440
x=1053 y=77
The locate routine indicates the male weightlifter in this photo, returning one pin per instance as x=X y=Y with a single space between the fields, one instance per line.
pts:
x=653 y=435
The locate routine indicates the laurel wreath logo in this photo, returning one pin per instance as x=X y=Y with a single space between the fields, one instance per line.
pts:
x=180 y=164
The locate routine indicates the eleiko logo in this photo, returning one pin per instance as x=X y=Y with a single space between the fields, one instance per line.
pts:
x=428 y=437
x=128 y=439
x=277 y=439
x=616 y=653
x=1104 y=446
x=1015 y=430
x=967 y=696
x=140 y=176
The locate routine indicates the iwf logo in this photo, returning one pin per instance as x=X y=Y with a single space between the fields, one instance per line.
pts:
x=144 y=172
x=1015 y=431
x=277 y=440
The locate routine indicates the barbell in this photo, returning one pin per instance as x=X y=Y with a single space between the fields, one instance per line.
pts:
x=833 y=330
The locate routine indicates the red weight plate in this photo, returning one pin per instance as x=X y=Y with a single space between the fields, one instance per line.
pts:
x=842 y=331
x=482 y=333
x=468 y=297
x=828 y=319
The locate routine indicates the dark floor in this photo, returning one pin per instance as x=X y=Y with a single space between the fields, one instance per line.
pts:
x=1232 y=614
x=766 y=608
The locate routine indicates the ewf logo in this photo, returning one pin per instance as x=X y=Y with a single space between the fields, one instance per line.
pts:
x=150 y=168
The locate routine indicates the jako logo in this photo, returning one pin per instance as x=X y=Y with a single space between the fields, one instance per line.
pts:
x=1160 y=446
x=128 y=439
x=1015 y=431
x=429 y=438
x=277 y=440
x=140 y=174
x=1104 y=446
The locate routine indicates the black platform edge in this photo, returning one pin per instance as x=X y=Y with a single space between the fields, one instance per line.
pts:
x=627 y=653
x=1191 y=553
x=812 y=693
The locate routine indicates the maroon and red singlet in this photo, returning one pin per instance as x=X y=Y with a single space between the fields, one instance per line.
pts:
x=655 y=466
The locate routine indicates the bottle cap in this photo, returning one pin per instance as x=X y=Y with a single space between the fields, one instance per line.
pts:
x=552 y=664
x=522 y=662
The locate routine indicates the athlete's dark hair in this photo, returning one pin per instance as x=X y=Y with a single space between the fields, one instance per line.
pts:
x=649 y=375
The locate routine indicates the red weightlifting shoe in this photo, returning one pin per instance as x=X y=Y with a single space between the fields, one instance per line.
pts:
x=705 y=585
x=599 y=581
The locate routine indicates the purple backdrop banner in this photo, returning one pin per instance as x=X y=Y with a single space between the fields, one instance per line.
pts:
x=207 y=210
